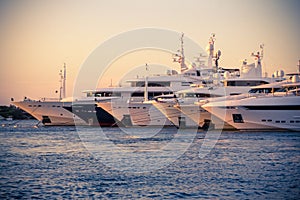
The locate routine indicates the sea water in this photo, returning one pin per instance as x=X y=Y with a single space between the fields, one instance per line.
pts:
x=55 y=162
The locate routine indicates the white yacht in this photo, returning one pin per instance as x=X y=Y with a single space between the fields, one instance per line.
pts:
x=183 y=112
x=134 y=107
x=193 y=111
x=51 y=111
x=278 y=110
x=70 y=111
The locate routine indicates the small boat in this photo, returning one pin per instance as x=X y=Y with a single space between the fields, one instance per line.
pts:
x=10 y=118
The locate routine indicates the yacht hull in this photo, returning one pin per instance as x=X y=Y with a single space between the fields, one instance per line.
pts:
x=50 y=113
x=134 y=114
x=203 y=118
x=259 y=113
x=93 y=115
x=146 y=114
x=178 y=118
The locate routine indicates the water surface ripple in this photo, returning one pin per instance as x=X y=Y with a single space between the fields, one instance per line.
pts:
x=52 y=162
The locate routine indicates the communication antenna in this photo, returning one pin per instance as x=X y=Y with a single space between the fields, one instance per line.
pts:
x=64 y=81
x=217 y=57
x=146 y=85
x=63 y=77
x=179 y=57
x=259 y=57
x=210 y=49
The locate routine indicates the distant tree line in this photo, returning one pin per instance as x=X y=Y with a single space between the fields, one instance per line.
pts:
x=14 y=112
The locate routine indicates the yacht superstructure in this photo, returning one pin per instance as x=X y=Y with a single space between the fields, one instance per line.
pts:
x=136 y=108
x=183 y=112
x=134 y=105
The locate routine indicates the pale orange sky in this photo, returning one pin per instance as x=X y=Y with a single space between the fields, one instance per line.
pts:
x=37 y=37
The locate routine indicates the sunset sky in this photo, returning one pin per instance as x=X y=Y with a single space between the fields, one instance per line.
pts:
x=38 y=37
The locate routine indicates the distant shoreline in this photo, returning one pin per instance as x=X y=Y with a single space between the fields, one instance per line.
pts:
x=12 y=112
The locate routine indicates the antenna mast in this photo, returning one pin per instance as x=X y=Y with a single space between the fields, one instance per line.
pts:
x=64 y=81
x=182 y=63
x=259 y=57
x=63 y=76
x=146 y=85
x=211 y=48
x=179 y=57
